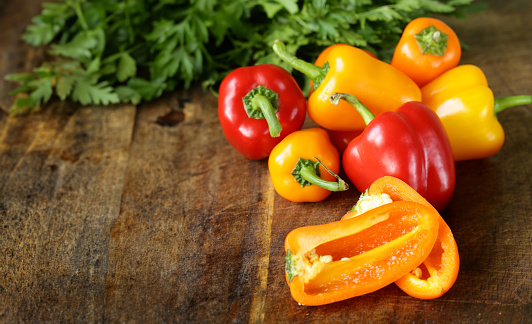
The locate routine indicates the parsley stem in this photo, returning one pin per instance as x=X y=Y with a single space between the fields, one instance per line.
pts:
x=81 y=17
x=128 y=21
x=116 y=56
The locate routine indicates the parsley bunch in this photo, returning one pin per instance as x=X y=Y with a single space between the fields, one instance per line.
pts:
x=118 y=51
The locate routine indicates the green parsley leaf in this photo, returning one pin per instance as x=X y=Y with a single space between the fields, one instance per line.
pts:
x=64 y=87
x=127 y=67
x=94 y=94
x=106 y=52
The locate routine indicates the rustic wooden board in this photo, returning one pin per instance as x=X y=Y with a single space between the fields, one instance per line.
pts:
x=118 y=214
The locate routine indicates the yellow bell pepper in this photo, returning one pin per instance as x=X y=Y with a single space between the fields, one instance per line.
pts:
x=467 y=108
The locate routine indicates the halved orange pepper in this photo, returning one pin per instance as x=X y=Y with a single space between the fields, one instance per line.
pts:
x=438 y=272
x=340 y=260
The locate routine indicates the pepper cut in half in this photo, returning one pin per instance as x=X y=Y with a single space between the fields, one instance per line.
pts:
x=348 y=69
x=304 y=166
x=340 y=260
x=467 y=108
x=438 y=272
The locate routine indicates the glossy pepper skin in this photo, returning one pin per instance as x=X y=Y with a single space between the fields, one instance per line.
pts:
x=467 y=108
x=351 y=70
x=427 y=48
x=438 y=272
x=322 y=58
x=250 y=136
x=409 y=144
x=303 y=166
x=340 y=260
x=341 y=139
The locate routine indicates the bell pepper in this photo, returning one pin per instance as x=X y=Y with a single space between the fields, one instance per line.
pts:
x=340 y=260
x=351 y=70
x=304 y=166
x=341 y=139
x=409 y=144
x=321 y=60
x=427 y=48
x=467 y=108
x=438 y=272
x=258 y=106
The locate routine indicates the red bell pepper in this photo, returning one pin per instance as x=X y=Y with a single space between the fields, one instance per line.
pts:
x=258 y=106
x=341 y=139
x=410 y=144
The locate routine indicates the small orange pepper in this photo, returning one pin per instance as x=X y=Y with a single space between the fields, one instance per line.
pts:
x=348 y=69
x=427 y=48
x=304 y=166
x=340 y=260
x=438 y=272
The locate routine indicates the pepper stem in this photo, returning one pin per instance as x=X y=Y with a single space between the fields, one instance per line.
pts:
x=366 y=114
x=261 y=102
x=307 y=172
x=502 y=103
x=291 y=265
x=313 y=72
x=431 y=40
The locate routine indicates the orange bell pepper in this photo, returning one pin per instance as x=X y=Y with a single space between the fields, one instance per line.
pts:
x=322 y=58
x=427 y=48
x=438 y=272
x=348 y=69
x=467 y=108
x=340 y=260
x=304 y=166
x=340 y=139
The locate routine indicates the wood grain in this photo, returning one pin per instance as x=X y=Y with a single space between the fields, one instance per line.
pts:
x=146 y=214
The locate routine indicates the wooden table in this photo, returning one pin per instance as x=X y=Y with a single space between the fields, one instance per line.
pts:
x=107 y=215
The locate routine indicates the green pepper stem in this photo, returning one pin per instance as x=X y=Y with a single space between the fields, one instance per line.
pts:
x=313 y=72
x=502 y=103
x=261 y=102
x=432 y=41
x=307 y=172
x=291 y=265
x=264 y=104
x=366 y=114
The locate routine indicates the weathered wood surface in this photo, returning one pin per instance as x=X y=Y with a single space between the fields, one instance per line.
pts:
x=108 y=216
